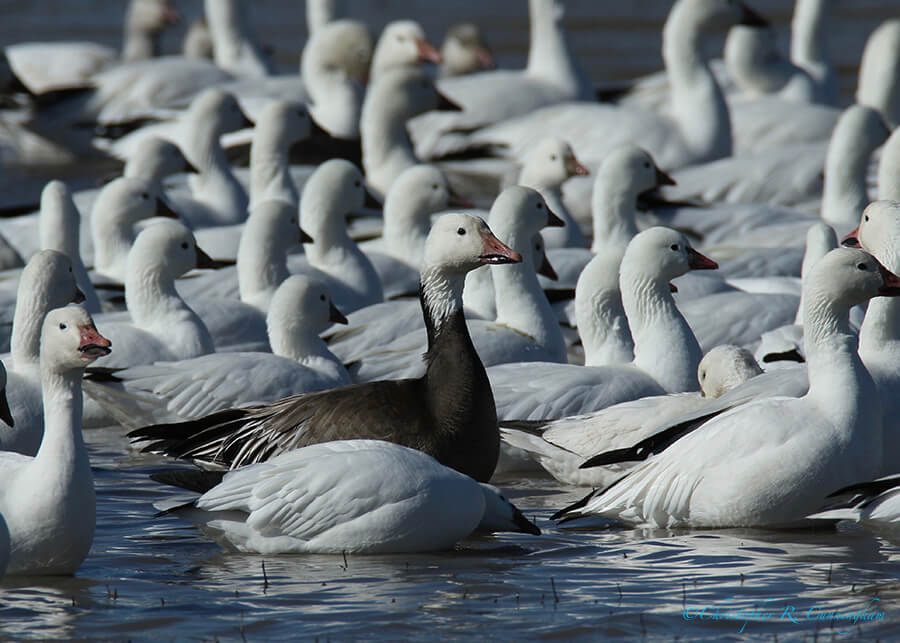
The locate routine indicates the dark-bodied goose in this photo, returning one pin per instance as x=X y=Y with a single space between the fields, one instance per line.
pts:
x=448 y=413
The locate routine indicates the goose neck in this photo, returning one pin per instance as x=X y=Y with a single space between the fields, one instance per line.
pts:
x=405 y=231
x=549 y=55
x=613 y=214
x=113 y=239
x=664 y=344
x=261 y=264
x=440 y=295
x=383 y=132
x=62 y=446
x=809 y=42
x=139 y=44
x=203 y=148
x=881 y=326
x=844 y=194
x=269 y=176
x=149 y=294
x=698 y=105
x=25 y=342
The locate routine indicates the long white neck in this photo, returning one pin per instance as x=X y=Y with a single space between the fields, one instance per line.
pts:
x=549 y=56
x=25 y=342
x=270 y=176
x=698 y=105
x=478 y=297
x=386 y=147
x=664 y=345
x=216 y=184
x=406 y=227
x=62 y=447
x=845 y=194
x=809 y=45
x=889 y=169
x=880 y=329
x=613 y=211
x=113 y=238
x=233 y=44
x=156 y=307
x=261 y=265
x=838 y=381
x=602 y=324
x=296 y=340
x=139 y=43
x=441 y=295
x=522 y=304
x=60 y=230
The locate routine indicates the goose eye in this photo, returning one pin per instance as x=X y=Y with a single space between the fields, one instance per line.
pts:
x=62 y=326
x=461 y=231
x=70 y=268
x=322 y=297
x=866 y=218
x=553 y=157
x=540 y=206
x=293 y=220
x=435 y=186
x=184 y=245
x=145 y=196
x=862 y=266
x=356 y=183
x=674 y=246
x=647 y=164
x=702 y=375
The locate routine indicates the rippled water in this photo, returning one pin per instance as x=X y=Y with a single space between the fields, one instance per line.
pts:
x=158 y=578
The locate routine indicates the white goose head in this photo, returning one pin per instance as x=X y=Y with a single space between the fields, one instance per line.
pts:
x=549 y=163
x=290 y=121
x=169 y=249
x=661 y=254
x=402 y=44
x=464 y=50
x=846 y=277
x=724 y=367
x=879 y=233
x=334 y=190
x=631 y=170
x=341 y=50
x=709 y=15
x=302 y=306
x=217 y=111
x=519 y=213
x=145 y=20
x=156 y=158
x=126 y=201
x=419 y=192
x=70 y=341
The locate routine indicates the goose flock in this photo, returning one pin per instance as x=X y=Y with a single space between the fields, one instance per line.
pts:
x=351 y=296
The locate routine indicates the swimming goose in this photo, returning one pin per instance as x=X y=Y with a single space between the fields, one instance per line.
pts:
x=347 y=496
x=771 y=462
x=398 y=95
x=119 y=206
x=464 y=51
x=47 y=282
x=161 y=324
x=698 y=129
x=562 y=445
x=879 y=338
x=300 y=310
x=666 y=353
x=48 y=500
x=447 y=413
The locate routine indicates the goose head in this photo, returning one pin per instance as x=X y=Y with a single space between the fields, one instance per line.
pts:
x=333 y=191
x=70 y=341
x=402 y=44
x=276 y=221
x=846 y=277
x=169 y=248
x=197 y=41
x=301 y=305
x=340 y=50
x=465 y=51
x=549 y=163
x=150 y=16
x=219 y=110
x=5 y=413
x=519 y=213
x=661 y=254
x=724 y=367
x=502 y=515
x=48 y=281
x=156 y=158
x=127 y=201
x=290 y=121
x=878 y=232
x=459 y=243
x=419 y=192
x=631 y=171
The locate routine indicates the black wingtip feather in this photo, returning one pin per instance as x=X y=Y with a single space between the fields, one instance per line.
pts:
x=196 y=480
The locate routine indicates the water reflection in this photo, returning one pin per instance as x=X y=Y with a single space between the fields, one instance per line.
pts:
x=154 y=577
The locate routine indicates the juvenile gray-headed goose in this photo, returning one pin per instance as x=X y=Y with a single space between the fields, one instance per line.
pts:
x=447 y=413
